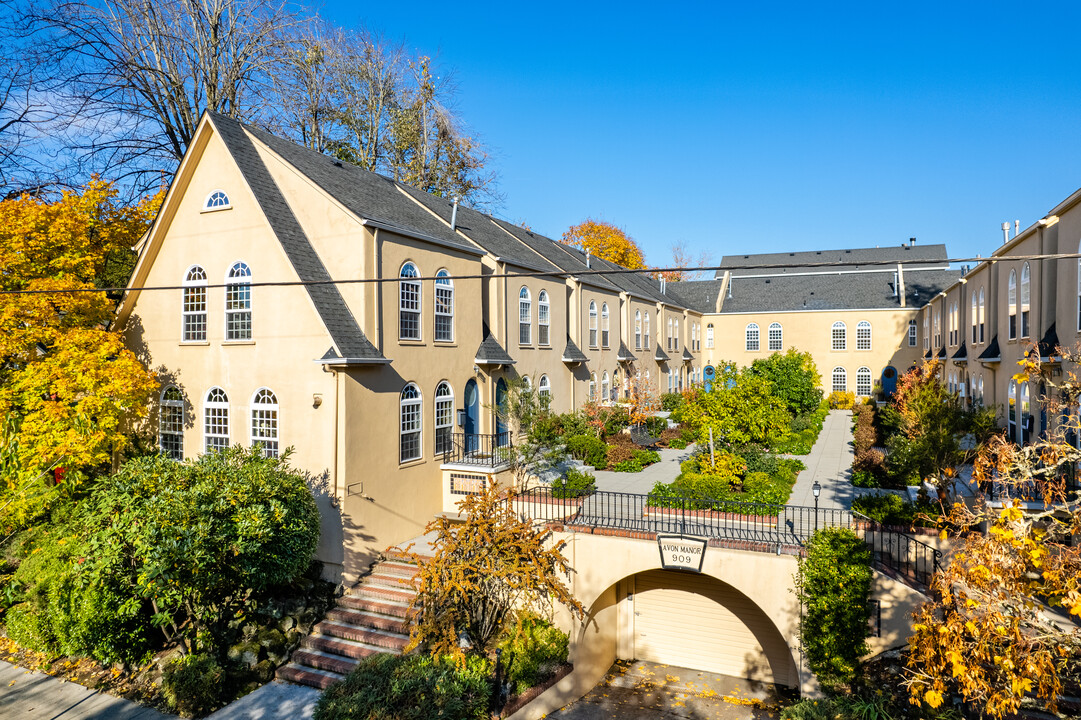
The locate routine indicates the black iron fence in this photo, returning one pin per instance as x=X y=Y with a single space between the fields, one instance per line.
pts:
x=900 y=554
x=483 y=450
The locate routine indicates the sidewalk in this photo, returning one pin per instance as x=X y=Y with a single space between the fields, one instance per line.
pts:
x=830 y=463
x=640 y=483
x=31 y=695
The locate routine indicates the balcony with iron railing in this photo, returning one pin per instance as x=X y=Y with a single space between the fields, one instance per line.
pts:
x=491 y=451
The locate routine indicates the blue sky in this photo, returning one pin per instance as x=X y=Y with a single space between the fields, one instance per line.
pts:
x=764 y=127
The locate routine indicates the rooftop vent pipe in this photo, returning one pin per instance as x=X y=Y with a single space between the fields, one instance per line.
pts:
x=454 y=215
x=1016 y=227
x=1005 y=233
x=662 y=286
x=895 y=283
x=911 y=242
x=587 y=257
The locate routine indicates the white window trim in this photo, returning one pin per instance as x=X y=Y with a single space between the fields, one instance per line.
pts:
x=230 y=280
x=544 y=387
x=176 y=404
x=780 y=337
x=402 y=403
x=709 y=336
x=402 y=283
x=605 y=335
x=863 y=325
x=215 y=405
x=525 y=308
x=257 y=406
x=843 y=339
x=206 y=202
x=752 y=327
x=544 y=318
x=592 y=324
x=185 y=314
x=443 y=400
x=843 y=376
x=443 y=283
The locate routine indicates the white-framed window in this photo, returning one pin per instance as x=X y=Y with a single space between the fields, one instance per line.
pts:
x=1011 y=409
x=171 y=423
x=638 y=328
x=863 y=382
x=863 y=335
x=238 y=302
x=544 y=392
x=962 y=387
x=974 y=317
x=593 y=387
x=410 y=425
x=525 y=317
x=604 y=325
x=615 y=385
x=937 y=322
x=983 y=323
x=645 y=329
x=839 y=336
x=544 y=319
x=444 y=307
x=912 y=333
x=264 y=421
x=408 y=302
x=193 y=309
x=1011 y=299
x=694 y=336
x=216 y=200
x=980 y=392
x=776 y=337
x=709 y=335
x=927 y=330
x=840 y=380
x=592 y=324
x=215 y=420
x=444 y=417
x=606 y=388
x=952 y=319
x=1026 y=284
x=752 y=337
x=675 y=334
x=668 y=337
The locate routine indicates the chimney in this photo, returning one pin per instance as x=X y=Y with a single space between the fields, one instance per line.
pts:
x=1005 y=233
x=454 y=216
x=1016 y=227
x=911 y=242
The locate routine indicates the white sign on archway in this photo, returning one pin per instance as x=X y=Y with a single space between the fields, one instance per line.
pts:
x=679 y=552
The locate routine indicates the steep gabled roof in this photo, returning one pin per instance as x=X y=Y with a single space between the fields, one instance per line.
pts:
x=491 y=352
x=660 y=355
x=992 y=353
x=624 y=354
x=1048 y=344
x=352 y=345
x=687 y=355
x=572 y=354
x=961 y=354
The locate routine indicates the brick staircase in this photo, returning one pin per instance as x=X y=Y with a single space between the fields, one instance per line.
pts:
x=371 y=617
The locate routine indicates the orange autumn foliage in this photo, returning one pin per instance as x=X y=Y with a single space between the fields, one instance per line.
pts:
x=606 y=241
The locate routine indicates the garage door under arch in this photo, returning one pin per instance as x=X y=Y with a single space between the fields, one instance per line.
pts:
x=696 y=621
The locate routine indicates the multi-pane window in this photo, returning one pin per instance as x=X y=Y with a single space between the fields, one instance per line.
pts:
x=953 y=324
x=604 y=325
x=645 y=329
x=937 y=321
x=615 y=385
x=444 y=307
x=605 y=388
x=912 y=333
x=709 y=335
x=839 y=336
x=216 y=200
x=171 y=423
x=264 y=422
x=525 y=317
x=638 y=326
x=752 y=337
x=238 y=303
x=544 y=319
x=926 y=330
x=544 y=392
x=592 y=387
x=444 y=417
x=863 y=335
x=863 y=381
x=592 y=324
x=840 y=380
x=668 y=337
x=194 y=307
x=983 y=324
x=409 y=303
x=1011 y=299
x=776 y=337
x=409 y=412
x=1025 y=298
x=215 y=420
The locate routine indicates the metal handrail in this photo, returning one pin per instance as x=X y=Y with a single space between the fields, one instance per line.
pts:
x=474 y=449
x=899 y=553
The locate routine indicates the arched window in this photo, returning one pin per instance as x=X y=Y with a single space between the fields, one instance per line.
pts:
x=863 y=335
x=1025 y=410
x=981 y=390
x=444 y=307
x=605 y=388
x=638 y=329
x=264 y=421
x=238 y=303
x=839 y=336
x=215 y=420
x=863 y=382
x=171 y=423
x=1011 y=299
x=525 y=317
x=752 y=337
x=926 y=329
x=645 y=329
x=953 y=324
x=709 y=335
x=592 y=324
x=937 y=321
x=544 y=319
x=194 y=305
x=544 y=392
x=604 y=325
x=912 y=333
x=974 y=317
x=981 y=319
x=444 y=417
x=592 y=387
x=671 y=323
x=1011 y=411
x=840 y=380
x=410 y=414
x=1025 y=298
x=615 y=385
x=409 y=303
x=217 y=200
x=776 y=337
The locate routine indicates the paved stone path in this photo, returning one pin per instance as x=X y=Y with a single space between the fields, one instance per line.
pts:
x=640 y=483
x=30 y=695
x=830 y=463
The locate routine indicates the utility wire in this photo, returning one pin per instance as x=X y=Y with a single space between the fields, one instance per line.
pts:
x=913 y=266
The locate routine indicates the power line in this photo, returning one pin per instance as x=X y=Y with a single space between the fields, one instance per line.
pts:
x=913 y=265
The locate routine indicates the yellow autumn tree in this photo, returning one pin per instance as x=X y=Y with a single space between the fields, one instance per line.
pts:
x=606 y=241
x=68 y=386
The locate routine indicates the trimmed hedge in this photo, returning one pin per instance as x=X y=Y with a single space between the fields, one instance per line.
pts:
x=574 y=484
x=589 y=449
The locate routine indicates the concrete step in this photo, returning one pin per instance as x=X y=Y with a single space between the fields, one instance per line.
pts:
x=331 y=662
x=393 y=567
x=378 y=621
x=353 y=638
x=368 y=603
x=302 y=675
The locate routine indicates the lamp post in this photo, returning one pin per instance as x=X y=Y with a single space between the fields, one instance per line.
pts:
x=817 y=490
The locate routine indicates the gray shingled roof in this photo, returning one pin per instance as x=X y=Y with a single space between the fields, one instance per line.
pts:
x=571 y=353
x=624 y=353
x=491 y=352
x=927 y=254
x=992 y=353
x=660 y=355
x=335 y=314
x=563 y=256
x=687 y=355
x=700 y=295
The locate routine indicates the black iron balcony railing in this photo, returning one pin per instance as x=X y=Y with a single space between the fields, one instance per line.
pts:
x=913 y=560
x=484 y=450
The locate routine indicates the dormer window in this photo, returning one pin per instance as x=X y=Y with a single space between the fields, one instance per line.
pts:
x=216 y=200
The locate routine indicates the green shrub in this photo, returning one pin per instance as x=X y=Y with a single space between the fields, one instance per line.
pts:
x=756 y=483
x=613 y=419
x=574 y=484
x=532 y=651
x=671 y=401
x=408 y=687
x=842 y=400
x=193 y=684
x=842 y=707
x=647 y=457
x=894 y=510
x=865 y=479
x=656 y=425
x=589 y=449
x=627 y=466
x=687 y=434
x=677 y=444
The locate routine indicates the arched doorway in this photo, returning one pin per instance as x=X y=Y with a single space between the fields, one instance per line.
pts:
x=471 y=422
x=502 y=436
x=889 y=382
